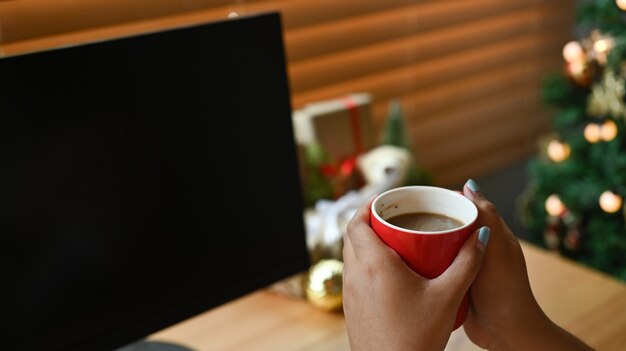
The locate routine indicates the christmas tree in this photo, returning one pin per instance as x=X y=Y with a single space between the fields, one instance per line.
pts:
x=577 y=181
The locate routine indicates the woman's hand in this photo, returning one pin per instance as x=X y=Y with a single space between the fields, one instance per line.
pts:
x=387 y=305
x=504 y=314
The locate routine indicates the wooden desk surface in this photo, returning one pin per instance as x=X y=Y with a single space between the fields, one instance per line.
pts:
x=589 y=304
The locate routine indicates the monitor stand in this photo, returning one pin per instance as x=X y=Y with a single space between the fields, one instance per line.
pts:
x=145 y=345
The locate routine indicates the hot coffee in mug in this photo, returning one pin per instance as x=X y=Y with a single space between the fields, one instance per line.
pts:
x=425 y=221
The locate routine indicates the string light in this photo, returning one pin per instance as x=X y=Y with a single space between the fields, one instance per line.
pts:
x=592 y=133
x=610 y=202
x=573 y=51
x=595 y=132
x=621 y=4
x=608 y=131
x=601 y=45
x=557 y=151
x=554 y=205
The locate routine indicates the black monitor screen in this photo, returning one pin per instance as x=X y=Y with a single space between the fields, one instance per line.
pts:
x=144 y=180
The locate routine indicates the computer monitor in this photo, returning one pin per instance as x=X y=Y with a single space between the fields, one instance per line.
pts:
x=144 y=180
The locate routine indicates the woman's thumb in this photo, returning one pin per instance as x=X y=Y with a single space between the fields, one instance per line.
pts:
x=461 y=273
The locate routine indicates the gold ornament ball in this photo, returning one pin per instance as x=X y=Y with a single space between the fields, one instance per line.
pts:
x=551 y=238
x=621 y=4
x=577 y=68
x=572 y=240
x=580 y=71
x=610 y=202
x=324 y=284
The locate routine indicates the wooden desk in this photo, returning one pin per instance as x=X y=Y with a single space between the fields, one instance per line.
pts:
x=589 y=304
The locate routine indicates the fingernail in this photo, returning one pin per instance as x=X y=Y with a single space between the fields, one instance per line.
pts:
x=483 y=235
x=473 y=186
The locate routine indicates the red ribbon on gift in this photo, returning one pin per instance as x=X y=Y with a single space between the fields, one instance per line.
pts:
x=344 y=170
x=355 y=124
x=347 y=166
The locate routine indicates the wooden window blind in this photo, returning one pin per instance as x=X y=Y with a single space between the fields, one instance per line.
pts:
x=468 y=72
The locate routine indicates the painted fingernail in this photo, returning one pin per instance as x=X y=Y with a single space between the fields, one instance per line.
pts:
x=483 y=235
x=473 y=186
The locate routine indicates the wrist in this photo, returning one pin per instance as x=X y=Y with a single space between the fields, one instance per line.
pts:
x=537 y=332
x=526 y=325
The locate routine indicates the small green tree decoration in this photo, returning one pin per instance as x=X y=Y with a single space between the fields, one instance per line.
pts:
x=395 y=134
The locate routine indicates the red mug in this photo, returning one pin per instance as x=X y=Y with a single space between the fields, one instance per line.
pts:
x=429 y=253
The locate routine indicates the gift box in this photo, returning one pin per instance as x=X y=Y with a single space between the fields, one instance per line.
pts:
x=333 y=133
x=341 y=126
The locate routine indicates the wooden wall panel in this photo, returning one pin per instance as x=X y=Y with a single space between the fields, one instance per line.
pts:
x=467 y=71
x=376 y=27
x=390 y=54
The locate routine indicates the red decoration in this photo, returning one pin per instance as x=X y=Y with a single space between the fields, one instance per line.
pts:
x=355 y=124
